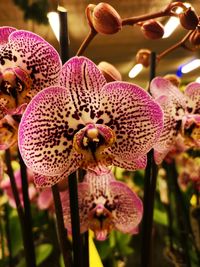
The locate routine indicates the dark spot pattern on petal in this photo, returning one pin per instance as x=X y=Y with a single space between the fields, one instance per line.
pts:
x=46 y=133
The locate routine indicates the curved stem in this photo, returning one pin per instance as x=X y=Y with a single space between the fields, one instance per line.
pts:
x=86 y=42
x=181 y=43
x=168 y=11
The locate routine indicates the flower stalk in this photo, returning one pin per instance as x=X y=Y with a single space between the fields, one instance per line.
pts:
x=27 y=208
x=29 y=256
x=149 y=193
x=62 y=232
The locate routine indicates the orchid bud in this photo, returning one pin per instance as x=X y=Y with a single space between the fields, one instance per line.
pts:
x=104 y=18
x=143 y=57
x=152 y=29
x=173 y=79
x=195 y=37
x=109 y=72
x=189 y=19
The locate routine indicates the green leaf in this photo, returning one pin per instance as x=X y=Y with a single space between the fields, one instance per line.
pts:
x=160 y=217
x=42 y=252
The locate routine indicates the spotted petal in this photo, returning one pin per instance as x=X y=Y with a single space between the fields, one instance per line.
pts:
x=192 y=91
x=129 y=209
x=46 y=133
x=170 y=130
x=124 y=207
x=135 y=118
x=134 y=164
x=160 y=86
x=4 y=34
x=35 y=56
x=84 y=81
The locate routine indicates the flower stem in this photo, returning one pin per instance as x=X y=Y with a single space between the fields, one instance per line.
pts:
x=63 y=36
x=182 y=216
x=75 y=222
x=28 y=255
x=27 y=209
x=8 y=237
x=175 y=46
x=86 y=42
x=168 y=11
x=76 y=237
x=149 y=193
x=62 y=232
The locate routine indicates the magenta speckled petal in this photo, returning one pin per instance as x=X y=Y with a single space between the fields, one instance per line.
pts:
x=192 y=91
x=46 y=133
x=134 y=164
x=4 y=34
x=135 y=118
x=170 y=131
x=129 y=209
x=35 y=56
x=160 y=86
x=84 y=81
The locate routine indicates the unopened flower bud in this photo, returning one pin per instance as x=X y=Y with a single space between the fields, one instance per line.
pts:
x=173 y=79
x=189 y=19
x=104 y=18
x=143 y=57
x=152 y=29
x=195 y=37
x=109 y=72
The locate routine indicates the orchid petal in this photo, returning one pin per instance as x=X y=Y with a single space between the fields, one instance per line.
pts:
x=193 y=93
x=135 y=164
x=35 y=56
x=45 y=199
x=84 y=81
x=129 y=209
x=135 y=118
x=170 y=130
x=160 y=86
x=46 y=133
x=4 y=34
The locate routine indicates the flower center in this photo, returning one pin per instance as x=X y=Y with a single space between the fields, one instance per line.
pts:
x=91 y=141
x=100 y=220
x=14 y=86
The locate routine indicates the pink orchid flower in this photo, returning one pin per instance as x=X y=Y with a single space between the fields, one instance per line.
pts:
x=104 y=204
x=181 y=115
x=5 y=185
x=87 y=122
x=27 y=64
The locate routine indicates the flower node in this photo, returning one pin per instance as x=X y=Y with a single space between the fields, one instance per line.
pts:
x=152 y=29
x=189 y=19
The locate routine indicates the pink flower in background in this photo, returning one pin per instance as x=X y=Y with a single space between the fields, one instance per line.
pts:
x=181 y=115
x=5 y=185
x=189 y=171
x=87 y=122
x=104 y=204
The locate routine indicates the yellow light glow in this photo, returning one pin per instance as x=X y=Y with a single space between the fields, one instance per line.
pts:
x=54 y=23
x=135 y=70
x=198 y=80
